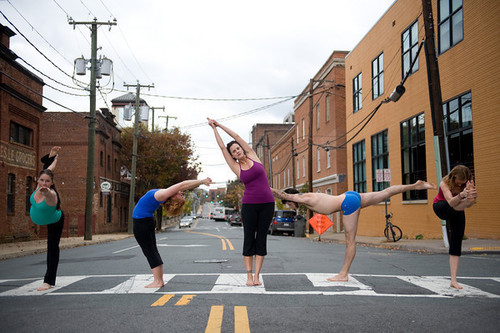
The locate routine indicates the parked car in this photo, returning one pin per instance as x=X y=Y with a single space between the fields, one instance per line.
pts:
x=186 y=222
x=283 y=221
x=235 y=219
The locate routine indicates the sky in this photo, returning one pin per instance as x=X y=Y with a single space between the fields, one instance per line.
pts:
x=235 y=61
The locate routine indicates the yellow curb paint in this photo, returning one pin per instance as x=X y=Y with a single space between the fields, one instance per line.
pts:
x=162 y=300
x=485 y=248
x=223 y=244
x=185 y=299
x=241 y=324
x=214 y=324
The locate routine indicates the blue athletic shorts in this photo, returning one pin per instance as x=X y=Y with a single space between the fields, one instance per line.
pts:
x=351 y=202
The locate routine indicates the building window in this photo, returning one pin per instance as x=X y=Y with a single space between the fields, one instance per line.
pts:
x=357 y=93
x=109 y=162
x=318 y=152
x=298 y=171
x=409 y=49
x=288 y=177
x=380 y=159
x=303 y=129
x=29 y=189
x=303 y=166
x=413 y=155
x=327 y=113
x=458 y=129
x=116 y=165
x=11 y=193
x=317 y=116
x=450 y=24
x=328 y=165
x=359 y=166
x=21 y=134
x=298 y=135
x=101 y=159
x=378 y=76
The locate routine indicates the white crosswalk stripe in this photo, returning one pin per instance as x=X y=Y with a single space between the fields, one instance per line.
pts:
x=434 y=286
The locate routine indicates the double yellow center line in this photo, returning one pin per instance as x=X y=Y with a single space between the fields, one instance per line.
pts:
x=241 y=324
x=222 y=238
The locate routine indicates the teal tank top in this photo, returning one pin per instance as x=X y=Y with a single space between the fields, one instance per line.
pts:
x=43 y=214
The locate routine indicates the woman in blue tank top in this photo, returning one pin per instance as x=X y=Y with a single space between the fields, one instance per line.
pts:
x=350 y=203
x=45 y=210
x=257 y=203
x=145 y=223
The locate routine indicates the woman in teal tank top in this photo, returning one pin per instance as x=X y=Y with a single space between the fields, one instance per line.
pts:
x=45 y=210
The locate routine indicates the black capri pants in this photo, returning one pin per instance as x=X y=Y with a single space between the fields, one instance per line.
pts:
x=256 y=220
x=144 y=233
x=455 y=223
x=54 y=232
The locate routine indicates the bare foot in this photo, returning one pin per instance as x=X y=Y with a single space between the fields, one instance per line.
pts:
x=421 y=185
x=44 y=286
x=250 y=282
x=155 y=284
x=339 y=277
x=456 y=285
x=256 y=282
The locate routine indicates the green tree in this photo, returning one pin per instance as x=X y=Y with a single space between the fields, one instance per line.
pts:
x=163 y=158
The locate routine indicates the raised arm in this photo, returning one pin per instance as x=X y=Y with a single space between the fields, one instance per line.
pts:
x=246 y=147
x=227 y=156
x=164 y=194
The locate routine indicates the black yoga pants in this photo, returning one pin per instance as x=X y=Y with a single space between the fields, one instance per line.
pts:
x=455 y=224
x=144 y=232
x=256 y=219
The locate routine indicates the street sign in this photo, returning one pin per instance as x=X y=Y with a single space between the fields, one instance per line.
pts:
x=383 y=175
x=320 y=223
x=387 y=175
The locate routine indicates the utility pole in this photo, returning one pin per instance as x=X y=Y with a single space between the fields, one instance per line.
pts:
x=309 y=150
x=293 y=163
x=168 y=117
x=270 y=164
x=436 y=100
x=91 y=144
x=131 y=201
x=153 y=116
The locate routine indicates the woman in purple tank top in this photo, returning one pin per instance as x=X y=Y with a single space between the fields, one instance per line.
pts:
x=257 y=203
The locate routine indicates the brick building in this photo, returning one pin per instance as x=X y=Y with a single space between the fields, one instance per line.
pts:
x=265 y=136
x=400 y=136
x=290 y=159
x=70 y=131
x=20 y=112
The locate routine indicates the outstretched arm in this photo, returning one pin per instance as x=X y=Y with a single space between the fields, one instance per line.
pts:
x=227 y=156
x=246 y=147
x=164 y=194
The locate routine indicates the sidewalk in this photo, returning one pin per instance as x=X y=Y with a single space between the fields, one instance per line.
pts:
x=419 y=245
x=19 y=249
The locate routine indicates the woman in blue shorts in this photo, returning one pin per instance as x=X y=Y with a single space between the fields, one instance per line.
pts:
x=350 y=203
x=145 y=223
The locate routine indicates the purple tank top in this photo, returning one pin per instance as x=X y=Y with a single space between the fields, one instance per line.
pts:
x=257 y=188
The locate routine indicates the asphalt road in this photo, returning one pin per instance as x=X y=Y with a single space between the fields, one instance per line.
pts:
x=100 y=288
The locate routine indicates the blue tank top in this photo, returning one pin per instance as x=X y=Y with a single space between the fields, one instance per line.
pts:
x=257 y=188
x=43 y=214
x=146 y=205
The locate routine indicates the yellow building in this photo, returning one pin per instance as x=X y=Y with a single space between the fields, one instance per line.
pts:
x=399 y=136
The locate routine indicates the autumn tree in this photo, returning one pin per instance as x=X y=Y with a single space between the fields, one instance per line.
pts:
x=163 y=158
x=234 y=194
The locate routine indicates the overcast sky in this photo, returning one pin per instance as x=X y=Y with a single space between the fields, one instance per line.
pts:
x=193 y=51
